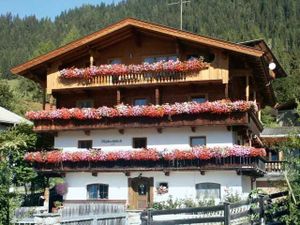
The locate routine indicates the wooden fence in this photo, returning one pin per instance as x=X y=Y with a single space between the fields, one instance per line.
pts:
x=79 y=214
x=264 y=209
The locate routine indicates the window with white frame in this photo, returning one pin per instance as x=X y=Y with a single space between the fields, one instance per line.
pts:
x=97 y=191
x=197 y=141
x=208 y=190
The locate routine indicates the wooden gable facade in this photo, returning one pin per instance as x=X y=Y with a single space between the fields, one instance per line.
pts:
x=235 y=71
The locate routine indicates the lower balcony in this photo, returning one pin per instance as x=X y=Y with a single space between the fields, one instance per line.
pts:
x=244 y=160
x=242 y=165
x=275 y=167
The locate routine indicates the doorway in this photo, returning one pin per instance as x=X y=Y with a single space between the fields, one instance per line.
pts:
x=140 y=192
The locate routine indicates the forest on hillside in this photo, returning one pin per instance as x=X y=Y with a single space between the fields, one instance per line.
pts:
x=277 y=21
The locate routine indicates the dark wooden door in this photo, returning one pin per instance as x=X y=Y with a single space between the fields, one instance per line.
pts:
x=141 y=191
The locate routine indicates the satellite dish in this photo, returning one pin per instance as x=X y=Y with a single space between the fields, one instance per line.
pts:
x=272 y=66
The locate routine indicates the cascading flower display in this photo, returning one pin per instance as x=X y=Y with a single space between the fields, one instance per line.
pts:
x=153 y=111
x=152 y=154
x=171 y=66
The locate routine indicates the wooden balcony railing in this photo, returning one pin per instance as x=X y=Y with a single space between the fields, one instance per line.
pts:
x=237 y=119
x=54 y=82
x=275 y=166
x=242 y=165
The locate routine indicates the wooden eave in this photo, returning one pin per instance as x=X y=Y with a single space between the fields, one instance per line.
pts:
x=89 y=40
x=260 y=44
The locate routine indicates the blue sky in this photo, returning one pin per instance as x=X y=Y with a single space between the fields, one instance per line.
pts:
x=44 y=8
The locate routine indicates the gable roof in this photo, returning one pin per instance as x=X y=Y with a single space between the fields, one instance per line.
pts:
x=260 y=44
x=130 y=22
x=9 y=117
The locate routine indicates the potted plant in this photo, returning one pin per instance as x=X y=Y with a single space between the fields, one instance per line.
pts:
x=56 y=206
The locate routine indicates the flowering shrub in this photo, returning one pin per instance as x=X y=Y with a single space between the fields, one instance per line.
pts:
x=61 y=188
x=119 y=69
x=216 y=107
x=97 y=155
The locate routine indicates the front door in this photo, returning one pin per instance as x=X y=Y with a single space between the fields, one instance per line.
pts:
x=140 y=192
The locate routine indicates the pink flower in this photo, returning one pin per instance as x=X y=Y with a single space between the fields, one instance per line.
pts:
x=153 y=111
x=97 y=155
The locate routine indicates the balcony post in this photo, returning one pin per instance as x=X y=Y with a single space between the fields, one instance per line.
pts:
x=157 y=96
x=91 y=58
x=118 y=97
x=247 y=88
x=44 y=97
x=226 y=91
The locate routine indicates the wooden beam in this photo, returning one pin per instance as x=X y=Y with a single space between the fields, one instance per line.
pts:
x=94 y=174
x=167 y=173
x=240 y=72
x=157 y=96
x=118 y=96
x=159 y=130
x=226 y=91
x=87 y=132
x=44 y=98
x=247 y=88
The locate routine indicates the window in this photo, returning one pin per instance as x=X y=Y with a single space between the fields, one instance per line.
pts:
x=139 y=142
x=85 y=144
x=274 y=156
x=97 y=191
x=160 y=58
x=192 y=57
x=140 y=101
x=206 y=57
x=199 y=99
x=87 y=103
x=115 y=61
x=208 y=190
x=197 y=141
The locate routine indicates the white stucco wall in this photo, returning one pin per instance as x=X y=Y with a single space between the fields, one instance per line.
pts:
x=181 y=184
x=170 y=138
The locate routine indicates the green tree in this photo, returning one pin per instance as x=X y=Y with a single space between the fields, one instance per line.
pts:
x=291 y=150
x=14 y=171
x=6 y=96
x=72 y=35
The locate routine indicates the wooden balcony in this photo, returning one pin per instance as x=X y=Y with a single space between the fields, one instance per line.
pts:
x=234 y=119
x=55 y=83
x=254 y=166
x=275 y=166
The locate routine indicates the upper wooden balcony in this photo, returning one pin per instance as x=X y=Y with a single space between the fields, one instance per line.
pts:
x=216 y=71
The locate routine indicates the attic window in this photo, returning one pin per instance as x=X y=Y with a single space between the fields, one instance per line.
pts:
x=207 y=57
x=160 y=58
x=115 y=61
